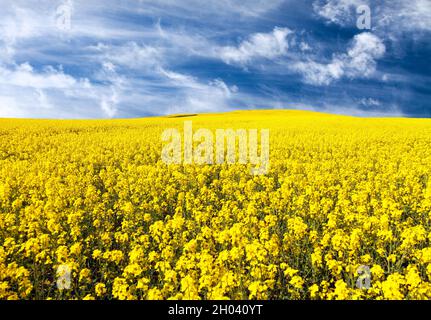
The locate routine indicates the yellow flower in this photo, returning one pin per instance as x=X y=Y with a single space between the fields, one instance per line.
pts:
x=341 y=291
x=257 y=290
x=97 y=254
x=393 y=287
x=189 y=289
x=120 y=289
x=115 y=256
x=85 y=275
x=377 y=271
x=154 y=294
x=297 y=282
x=133 y=270
x=413 y=279
x=76 y=249
x=316 y=257
x=314 y=290
x=100 y=289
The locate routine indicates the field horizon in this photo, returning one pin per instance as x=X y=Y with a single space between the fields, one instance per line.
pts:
x=187 y=115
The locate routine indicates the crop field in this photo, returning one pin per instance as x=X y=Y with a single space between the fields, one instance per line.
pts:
x=342 y=195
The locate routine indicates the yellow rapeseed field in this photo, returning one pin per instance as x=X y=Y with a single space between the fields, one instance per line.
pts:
x=94 y=196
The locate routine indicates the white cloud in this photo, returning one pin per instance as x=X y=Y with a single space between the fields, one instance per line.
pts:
x=43 y=99
x=109 y=103
x=260 y=45
x=196 y=96
x=24 y=75
x=110 y=100
x=20 y=22
x=129 y=55
x=361 y=57
x=9 y=107
x=370 y=102
x=25 y=92
x=304 y=46
x=187 y=81
x=219 y=8
x=228 y=91
x=318 y=73
x=404 y=16
x=50 y=92
x=179 y=79
x=16 y=23
x=181 y=44
x=358 y=62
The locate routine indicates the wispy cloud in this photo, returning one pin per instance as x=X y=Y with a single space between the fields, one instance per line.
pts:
x=130 y=54
x=259 y=46
x=186 y=9
x=195 y=96
x=400 y=16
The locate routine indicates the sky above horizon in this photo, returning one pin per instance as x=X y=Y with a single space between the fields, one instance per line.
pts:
x=121 y=59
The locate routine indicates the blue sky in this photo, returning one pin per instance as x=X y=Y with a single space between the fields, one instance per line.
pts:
x=120 y=59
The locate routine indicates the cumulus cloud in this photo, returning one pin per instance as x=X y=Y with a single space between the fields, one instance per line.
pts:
x=361 y=57
x=27 y=92
x=24 y=75
x=320 y=74
x=358 y=62
x=260 y=45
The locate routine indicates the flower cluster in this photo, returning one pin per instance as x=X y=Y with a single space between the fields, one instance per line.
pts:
x=94 y=196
